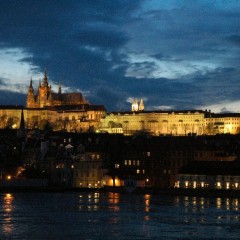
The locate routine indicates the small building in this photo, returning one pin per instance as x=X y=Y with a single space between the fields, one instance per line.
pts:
x=88 y=170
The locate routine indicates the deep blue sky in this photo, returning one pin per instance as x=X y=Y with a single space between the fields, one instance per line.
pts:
x=174 y=54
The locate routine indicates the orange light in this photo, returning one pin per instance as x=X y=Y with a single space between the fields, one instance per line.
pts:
x=9 y=177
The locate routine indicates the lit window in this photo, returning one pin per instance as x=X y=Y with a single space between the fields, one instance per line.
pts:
x=148 y=154
x=202 y=184
x=177 y=184
x=227 y=185
x=186 y=184
x=138 y=162
x=129 y=162
x=117 y=165
x=125 y=162
x=194 y=184
x=138 y=171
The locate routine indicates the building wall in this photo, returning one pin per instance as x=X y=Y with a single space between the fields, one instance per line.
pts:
x=170 y=123
x=88 y=171
x=156 y=123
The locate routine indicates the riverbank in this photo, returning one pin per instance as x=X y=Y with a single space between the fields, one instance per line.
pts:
x=153 y=191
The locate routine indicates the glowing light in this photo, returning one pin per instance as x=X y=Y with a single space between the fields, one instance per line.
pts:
x=177 y=184
x=186 y=184
x=9 y=177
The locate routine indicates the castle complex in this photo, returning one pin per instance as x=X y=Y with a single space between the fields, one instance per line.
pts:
x=60 y=111
x=71 y=112
x=46 y=97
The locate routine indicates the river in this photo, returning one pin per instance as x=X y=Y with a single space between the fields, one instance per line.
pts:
x=93 y=215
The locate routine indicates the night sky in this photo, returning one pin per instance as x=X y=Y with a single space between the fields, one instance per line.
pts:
x=174 y=54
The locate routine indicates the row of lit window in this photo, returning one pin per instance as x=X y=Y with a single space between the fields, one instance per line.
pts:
x=218 y=185
x=62 y=165
x=132 y=162
x=138 y=171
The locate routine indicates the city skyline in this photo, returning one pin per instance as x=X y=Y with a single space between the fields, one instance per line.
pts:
x=174 y=54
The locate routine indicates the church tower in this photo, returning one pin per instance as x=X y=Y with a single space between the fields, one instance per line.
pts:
x=135 y=105
x=43 y=91
x=141 y=105
x=30 y=96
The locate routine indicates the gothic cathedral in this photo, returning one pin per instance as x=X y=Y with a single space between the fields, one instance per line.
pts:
x=46 y=97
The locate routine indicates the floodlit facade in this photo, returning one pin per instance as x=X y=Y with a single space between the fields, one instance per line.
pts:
x=176 y=123
x=60 y=111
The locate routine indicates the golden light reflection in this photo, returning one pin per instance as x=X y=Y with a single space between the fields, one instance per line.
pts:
x=235 y=204
x=147 y=198
x=219 y=202
x=8 y=207
x=227 y=203
x=113 y=199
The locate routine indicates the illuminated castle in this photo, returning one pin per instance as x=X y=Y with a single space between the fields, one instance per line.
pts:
x=46 y=97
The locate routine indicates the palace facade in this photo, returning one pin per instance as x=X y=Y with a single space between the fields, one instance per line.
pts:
x=176 y=123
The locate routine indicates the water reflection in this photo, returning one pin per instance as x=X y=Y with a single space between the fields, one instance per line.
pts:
x=94 y=215
x=8 y=208
x=89 y=202
x=113 y=200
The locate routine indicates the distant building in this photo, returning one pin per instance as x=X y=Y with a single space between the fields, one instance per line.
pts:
x=46 y=97
x=58 y=111
x=175 y=123
x=71 y=112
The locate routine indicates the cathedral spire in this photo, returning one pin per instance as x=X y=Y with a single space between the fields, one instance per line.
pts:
x=59 y=89
x=31 y=84
x=45 y=81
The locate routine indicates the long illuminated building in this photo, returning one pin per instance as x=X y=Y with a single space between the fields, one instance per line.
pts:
x=176 y=123
x=71 y=112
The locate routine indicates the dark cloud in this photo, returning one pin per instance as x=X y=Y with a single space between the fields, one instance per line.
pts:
x=86 y=45
x=235 y=39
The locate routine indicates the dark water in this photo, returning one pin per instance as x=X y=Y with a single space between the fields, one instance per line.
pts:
x=117 y=216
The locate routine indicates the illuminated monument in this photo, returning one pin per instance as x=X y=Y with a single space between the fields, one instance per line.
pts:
x=46 y=97
x=175 y=123
x=71 y=112
x=59 y=111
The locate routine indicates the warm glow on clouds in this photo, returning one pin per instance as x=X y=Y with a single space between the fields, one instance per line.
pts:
x=227 y=106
